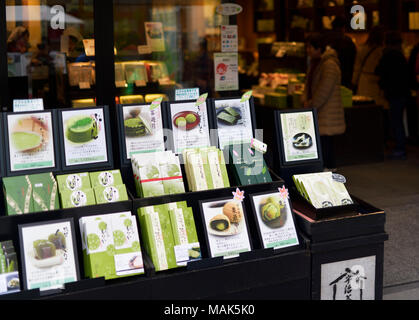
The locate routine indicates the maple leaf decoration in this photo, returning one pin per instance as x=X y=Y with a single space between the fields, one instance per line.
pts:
x=238 y=195
x=283 y=192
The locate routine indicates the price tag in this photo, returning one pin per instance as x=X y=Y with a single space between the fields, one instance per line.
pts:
x=186 y=94
x=120 y=84
x=22 y=105
x=258 y=145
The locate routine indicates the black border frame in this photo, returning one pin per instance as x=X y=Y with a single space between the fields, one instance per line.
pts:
x=284 y=249
x=252 y=114
x=95 y=165
x=2 y=149
x=124 y=161
x=168 y=111
x=49 y=222
x=280 y=141
x=205 y=230
x=54 y=127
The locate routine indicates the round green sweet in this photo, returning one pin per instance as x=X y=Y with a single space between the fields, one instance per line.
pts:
x=93 y=241
x=270 y=211
x=190 y=118
x=181 y=122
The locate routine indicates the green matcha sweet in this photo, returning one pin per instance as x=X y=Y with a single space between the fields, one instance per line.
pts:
x=110 y=194
x=18 y=195
x=45 y=193
x=106 y=178
x=77 y=198
x=73 y=181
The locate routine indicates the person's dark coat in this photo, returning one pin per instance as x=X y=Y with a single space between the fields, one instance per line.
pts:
x=393 y=72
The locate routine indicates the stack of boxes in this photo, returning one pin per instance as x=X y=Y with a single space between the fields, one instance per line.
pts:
x=157 y=174
x=30 y=193
x=9 y=275
x=83 y=189
x=169 y=234
x=111 y=246
x=248 y=165
x=205 y=169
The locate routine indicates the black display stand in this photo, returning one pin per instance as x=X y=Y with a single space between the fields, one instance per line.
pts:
x=345 y=240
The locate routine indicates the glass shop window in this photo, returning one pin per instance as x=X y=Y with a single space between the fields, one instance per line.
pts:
x=164 y=45
x=50 y=52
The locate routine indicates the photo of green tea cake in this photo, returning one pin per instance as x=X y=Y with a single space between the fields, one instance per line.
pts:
x=229 y=115
x=29 y=134
x=136 y=125
x=82 y=129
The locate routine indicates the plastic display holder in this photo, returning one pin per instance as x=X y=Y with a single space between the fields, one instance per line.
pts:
x=40 y=165
x=101 y=117
x=204 y=263
x=297 y=157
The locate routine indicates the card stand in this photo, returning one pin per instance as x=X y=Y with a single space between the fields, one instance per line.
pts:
x=84 y=284
x=46 y=293
x=204 y=263
x=301 y=204
x=22 y=295
x=366 y=220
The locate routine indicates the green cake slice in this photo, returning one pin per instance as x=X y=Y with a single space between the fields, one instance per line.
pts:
x=226 y=117
x=82 y=129
x=26 y=141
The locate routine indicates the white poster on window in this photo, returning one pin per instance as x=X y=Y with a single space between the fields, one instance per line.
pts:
x=229 y=39
x=155 y=36
x=226 y=71
x=348 y=280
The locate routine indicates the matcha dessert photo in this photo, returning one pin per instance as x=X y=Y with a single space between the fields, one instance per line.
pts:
x=273 y=211
x=229 y=115
x=29 y=134
x=82 y=129
x=228 y=220
x=136 y=125
x=186 y=120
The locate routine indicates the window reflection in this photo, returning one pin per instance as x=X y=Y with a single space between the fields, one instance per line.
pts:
x=45 y=51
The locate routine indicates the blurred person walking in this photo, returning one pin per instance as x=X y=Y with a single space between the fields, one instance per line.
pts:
x=365 y=81
x=393 y=73
x=323 y=93
x=345 y=48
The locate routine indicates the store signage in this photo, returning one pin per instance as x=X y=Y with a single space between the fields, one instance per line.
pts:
x=226 y=71
x=229 y=38
x=186 y=94
x=229 y=9
x=22 y=105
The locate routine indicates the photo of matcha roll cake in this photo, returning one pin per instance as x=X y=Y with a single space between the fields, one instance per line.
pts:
x=82 y=129
x=29 y=134
x=136 y=125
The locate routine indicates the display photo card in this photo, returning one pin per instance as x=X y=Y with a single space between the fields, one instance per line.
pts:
x=235 y=120
x=49 y=254
x=298 y=136
x=30 y=142
x=225 y=227
x=274 y=219
x=190 y=124
x=140 y=130
x=85 y=138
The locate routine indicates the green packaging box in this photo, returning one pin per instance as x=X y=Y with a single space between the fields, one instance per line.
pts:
x=105 y=178
x=158 y=236
x=44 y=192
x=100 y=249
x=149 y=174
x=77 y=198
x=128 y=257
x=74 y=181
x=171 y=174
x=18 y=195
x=111 y=194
